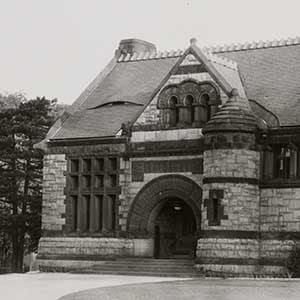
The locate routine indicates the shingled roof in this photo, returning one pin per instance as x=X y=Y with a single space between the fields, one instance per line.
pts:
x=271 y=76
x=267 y=73
x=117 y=99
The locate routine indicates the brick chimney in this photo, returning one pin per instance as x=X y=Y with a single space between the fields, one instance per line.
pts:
x=132 y=46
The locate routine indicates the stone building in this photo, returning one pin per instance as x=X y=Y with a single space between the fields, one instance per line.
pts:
x=177 y=154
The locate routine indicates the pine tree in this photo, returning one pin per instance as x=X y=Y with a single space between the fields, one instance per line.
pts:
x=22 y=125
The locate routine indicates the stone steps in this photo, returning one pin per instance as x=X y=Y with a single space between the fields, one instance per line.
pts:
x=146 y=267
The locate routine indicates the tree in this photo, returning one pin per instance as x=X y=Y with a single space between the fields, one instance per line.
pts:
x=22 y=124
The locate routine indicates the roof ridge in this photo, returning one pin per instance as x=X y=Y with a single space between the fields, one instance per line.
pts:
x=150 y=55
x=254 y=45
x=213 y=50
x=176 y=53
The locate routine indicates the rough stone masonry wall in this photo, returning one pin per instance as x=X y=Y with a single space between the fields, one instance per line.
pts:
x=69 y=246
x=231 y=163
x=280 y=214
x=54 y=182
x=241 y=200
x=229 y=170
x=67 y=253
x=280 y=209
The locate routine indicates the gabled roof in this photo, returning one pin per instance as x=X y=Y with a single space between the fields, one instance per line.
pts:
x=266 y=73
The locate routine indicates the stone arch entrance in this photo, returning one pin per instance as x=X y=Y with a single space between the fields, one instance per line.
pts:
x=168 y=210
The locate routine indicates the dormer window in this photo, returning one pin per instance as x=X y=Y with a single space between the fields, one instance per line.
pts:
x=189 y=104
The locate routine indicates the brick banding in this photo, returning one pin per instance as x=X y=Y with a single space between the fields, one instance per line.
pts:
x=243 y=234
x=207 y=180
x=263 y=261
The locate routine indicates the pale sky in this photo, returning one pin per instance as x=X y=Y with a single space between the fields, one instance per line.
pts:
x=55 y=48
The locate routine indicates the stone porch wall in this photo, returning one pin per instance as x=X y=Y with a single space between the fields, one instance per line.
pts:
x=67 y=253
x=243 y=257
x=69 y=246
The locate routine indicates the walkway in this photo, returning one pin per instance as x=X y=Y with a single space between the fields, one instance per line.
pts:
x=200 y=289
x=51 y=286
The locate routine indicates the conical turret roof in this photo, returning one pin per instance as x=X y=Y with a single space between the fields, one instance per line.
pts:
x=233 y=116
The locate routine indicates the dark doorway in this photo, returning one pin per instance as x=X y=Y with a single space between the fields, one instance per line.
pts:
x=175 y=228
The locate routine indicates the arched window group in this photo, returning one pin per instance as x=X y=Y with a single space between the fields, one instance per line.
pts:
x=188 y=104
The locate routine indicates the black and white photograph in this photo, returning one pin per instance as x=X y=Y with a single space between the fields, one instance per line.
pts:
x=149 y=150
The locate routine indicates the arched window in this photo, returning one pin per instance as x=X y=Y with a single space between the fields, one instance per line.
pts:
x=172 y=110
x=188 y=109
x=188 y=104
x=206 y=107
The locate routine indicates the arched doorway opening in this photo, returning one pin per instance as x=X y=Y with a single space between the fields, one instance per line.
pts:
x=174 y=229
x=166 y=217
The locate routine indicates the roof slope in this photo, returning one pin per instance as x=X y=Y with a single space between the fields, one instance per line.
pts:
x=271 y=76
x=133 y=82
x=103 y=121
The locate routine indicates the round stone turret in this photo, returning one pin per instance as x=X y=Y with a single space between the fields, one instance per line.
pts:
x=231 y=164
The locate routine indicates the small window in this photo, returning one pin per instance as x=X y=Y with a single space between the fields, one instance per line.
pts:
x=74 y=165
x=87 y=212
x=87 y=165
x=215 y=210
x=99 y=181
x=74 y=203
x=112 y=162
x=282 y=162
x=99 y=212
x=74 y=182
x=99 y=164
x=86 y=181
x=189 y=113
x=112 y=212
x=205 y=100
x=173 y=117
x=112 y=180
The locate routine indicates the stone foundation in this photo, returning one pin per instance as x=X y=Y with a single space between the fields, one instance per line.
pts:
x=242 y=270
x=243 y=257
x=72 y=253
